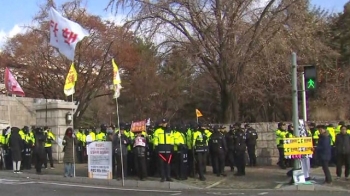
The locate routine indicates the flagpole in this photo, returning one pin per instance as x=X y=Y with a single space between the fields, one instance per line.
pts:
x=120 y=142
x=9 y=113
x=74 y=135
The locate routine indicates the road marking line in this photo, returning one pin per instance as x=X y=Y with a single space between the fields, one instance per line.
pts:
x=279 y=186
x=216 y=183
x=109 y=188
x=176 y=194
x=263 y=193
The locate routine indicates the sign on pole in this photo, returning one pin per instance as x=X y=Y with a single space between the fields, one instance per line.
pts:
x=100 y=160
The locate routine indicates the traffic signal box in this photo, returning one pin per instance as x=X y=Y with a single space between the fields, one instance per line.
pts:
x=310 y=75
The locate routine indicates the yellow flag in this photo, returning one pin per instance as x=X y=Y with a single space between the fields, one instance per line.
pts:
x=198 y=113
x=71 y=78
x=116 y=80
x=116 y=75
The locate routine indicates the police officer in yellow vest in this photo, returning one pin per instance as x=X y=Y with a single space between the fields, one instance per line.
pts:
x=179 y=163
x=289 y=162
x=101 y=134
x=50 y=138
x=7 y=150
x=281 y=133
x=315 y=134
x=131 y=162
x=348 y=129
x=28 y=145
x=337 y=129
x=332 y=132
x=80 y=145
x=163 y=141
x=189 y=142
x=200 y=145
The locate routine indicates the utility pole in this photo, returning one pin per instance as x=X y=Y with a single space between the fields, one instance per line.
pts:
x=295 y=99
x=303 y=96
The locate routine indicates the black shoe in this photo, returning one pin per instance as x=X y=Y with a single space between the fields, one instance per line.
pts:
x=223 y=174
x=169 y=180
x=162 y=180
x=202 y=178
x=239 y=174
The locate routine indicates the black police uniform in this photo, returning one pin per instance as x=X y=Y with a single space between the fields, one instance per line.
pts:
x=240 y=148
x=218 y=148
x=39 y=154
x=27 y=153
x=230 y=147
x=252 y=136
x=80 y=150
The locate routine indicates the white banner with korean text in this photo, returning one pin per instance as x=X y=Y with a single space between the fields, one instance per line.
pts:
x=65 y=34
x=100 y=160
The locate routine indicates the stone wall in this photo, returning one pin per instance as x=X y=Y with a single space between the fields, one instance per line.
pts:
x=17 y=111
x=53 y=114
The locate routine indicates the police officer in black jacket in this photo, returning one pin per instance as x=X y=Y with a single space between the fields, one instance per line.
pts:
x=240 y=148
x=229 y=136
x=252 y=136
x=218 y=149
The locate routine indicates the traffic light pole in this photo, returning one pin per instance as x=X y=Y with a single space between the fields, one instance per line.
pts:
x=295 y=100
x=303 y=96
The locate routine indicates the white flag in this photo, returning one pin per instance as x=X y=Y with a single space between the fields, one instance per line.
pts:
x=65 y=34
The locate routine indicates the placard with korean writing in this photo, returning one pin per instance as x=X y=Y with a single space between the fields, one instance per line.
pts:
x=100 y=160
x=138 y=126
x=297 y=147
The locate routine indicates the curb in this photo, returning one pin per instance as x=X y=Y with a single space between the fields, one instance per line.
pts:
x=314 y=187
x=103 y=182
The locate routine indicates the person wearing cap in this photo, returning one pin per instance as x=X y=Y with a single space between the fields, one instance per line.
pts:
x=120 y=144
x=200 y=147
x=229 y=136
x=240 y=146
x=163 y=140
x=342 y=153
x=28 y=145
x=281 y=133
x=39 y=154
x=290 y=129
x=80 y=142
x=252 y=136
x=189 y=142
x=218 y=149
x=101 y=134
x=337 y=129
x=50 y=137
x=178 y=164
x=130 y=157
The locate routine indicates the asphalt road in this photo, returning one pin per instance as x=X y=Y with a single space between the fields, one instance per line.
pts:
x=13 y=187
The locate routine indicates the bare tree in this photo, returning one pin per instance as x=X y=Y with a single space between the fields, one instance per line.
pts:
x=225 y=35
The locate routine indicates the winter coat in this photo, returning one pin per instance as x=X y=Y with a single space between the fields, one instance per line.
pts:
x=342 y=144
x=39 y=146
x=16 y=144
x=68 y=149
x=324 y=147
x=124 y=144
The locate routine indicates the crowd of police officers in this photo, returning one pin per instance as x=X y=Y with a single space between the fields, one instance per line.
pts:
x=179 y=151
x=283 y=131
x=31 y=140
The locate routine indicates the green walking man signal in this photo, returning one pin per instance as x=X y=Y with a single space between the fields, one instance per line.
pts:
x=310 y=84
